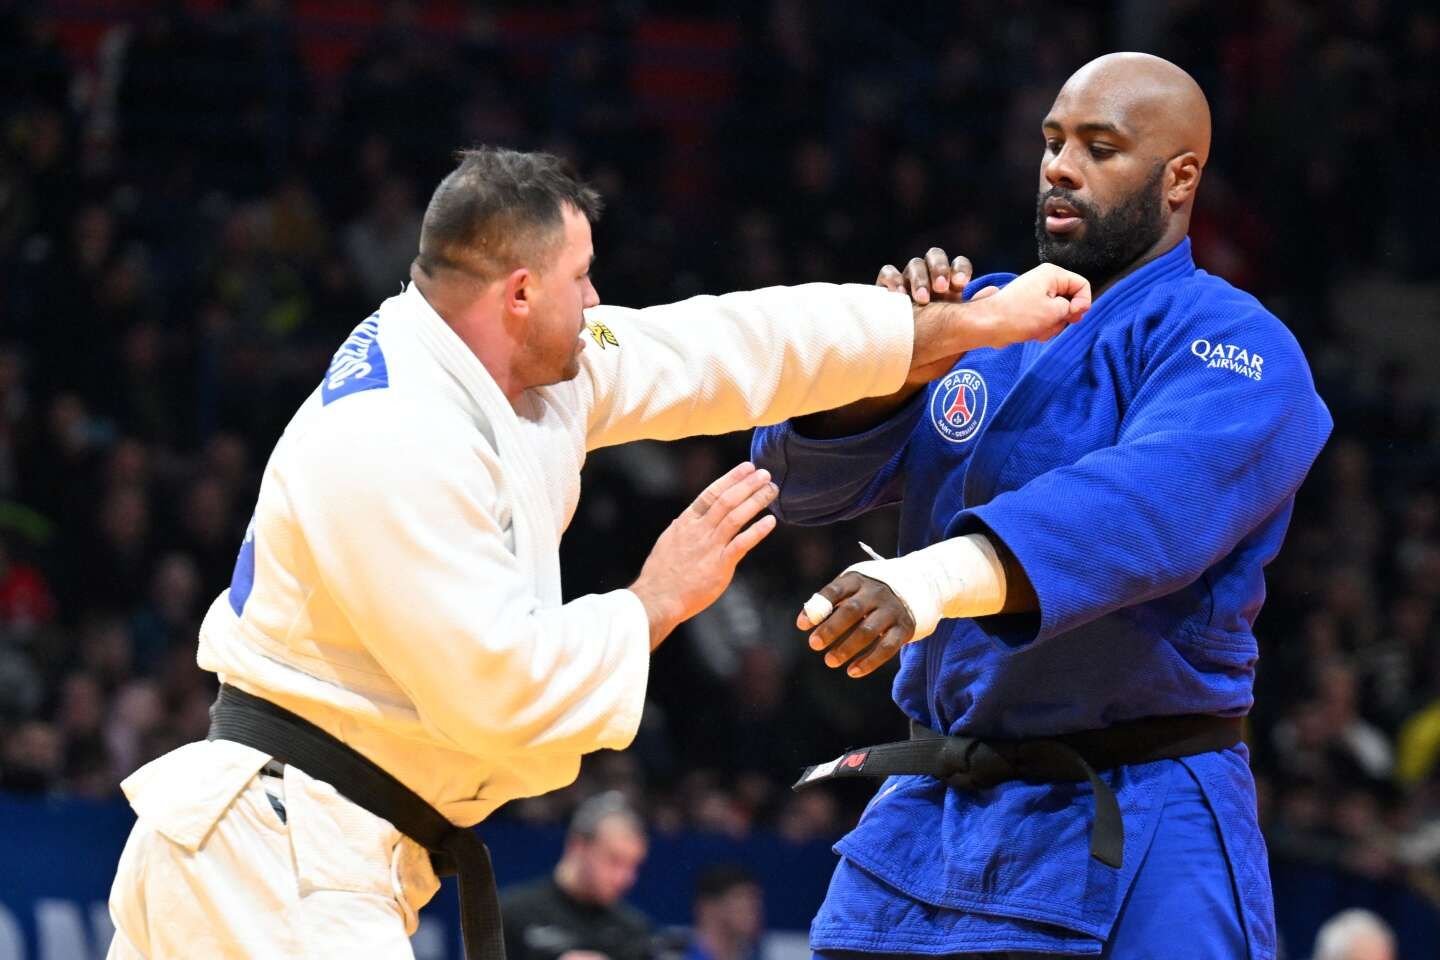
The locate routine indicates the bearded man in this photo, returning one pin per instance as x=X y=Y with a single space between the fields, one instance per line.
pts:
x=1084 y=527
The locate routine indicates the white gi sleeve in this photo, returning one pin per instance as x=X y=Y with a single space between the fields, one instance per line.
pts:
x=402 y=519
x=711 y=365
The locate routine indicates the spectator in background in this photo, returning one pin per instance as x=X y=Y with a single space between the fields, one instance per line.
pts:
x=25 y=598
x=381 y=244
x=32 y=759
x=729 y=915
x=578 y=913
x=1327 y=739
x=1354 y=935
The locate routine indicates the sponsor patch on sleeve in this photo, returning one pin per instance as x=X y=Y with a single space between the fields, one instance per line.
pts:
x=358 y=365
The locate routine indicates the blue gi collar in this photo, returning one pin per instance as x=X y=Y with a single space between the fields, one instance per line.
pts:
x=1170 y=265
x=1033 y=390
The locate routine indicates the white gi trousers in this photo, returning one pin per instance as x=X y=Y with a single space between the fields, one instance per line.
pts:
x=202 y=876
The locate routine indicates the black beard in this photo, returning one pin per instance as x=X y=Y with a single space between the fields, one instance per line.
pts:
x=1111 y=241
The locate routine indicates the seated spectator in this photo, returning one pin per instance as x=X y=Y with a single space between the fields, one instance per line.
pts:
x=1354 y=935
x=729 y=915
x=577 y=912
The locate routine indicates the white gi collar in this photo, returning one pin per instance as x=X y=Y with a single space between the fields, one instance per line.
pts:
x=523 y=481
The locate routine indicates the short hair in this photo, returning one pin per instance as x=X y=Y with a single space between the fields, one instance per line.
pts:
x=498 y=209
x=585 y=824
x=1339 y=933
x=718 y=880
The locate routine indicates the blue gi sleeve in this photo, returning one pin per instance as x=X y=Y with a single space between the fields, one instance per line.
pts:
x=825 y=480
x=1221 y=430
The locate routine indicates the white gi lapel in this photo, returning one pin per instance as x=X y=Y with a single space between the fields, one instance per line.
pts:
x=537 y=539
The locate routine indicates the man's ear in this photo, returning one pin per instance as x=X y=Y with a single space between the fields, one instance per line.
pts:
x=519 y=286
x=1182 y=179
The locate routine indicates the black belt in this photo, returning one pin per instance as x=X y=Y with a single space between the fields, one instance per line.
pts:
x=256 y=722
x=975 y=763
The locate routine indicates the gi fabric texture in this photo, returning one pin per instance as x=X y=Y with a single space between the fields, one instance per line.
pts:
x=399 y=585
x=1142 y=467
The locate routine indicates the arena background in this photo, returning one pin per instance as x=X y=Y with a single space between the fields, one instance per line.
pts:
x=199 y=200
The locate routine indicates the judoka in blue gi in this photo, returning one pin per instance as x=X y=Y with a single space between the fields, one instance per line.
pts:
x=1084 y=525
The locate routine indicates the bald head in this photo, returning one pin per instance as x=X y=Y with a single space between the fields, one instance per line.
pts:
x=1125 y=143
x=1151 y=98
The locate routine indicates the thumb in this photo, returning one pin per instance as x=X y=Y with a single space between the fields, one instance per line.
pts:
x=1059 y=309
x=1080 y=299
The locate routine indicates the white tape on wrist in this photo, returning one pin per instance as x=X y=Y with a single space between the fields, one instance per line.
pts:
x=962 y=577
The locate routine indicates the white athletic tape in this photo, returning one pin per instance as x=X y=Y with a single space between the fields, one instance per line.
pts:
x=817 y=608
x=962 y=577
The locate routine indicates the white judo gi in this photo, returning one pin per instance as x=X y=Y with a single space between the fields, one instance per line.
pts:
x=400 y=587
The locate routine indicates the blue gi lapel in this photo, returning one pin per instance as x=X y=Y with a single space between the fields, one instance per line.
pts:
x=1056 y=365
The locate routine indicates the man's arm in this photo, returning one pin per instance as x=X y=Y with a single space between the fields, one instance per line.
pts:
x=718 y=364
x=841 y=463
x=828 y=479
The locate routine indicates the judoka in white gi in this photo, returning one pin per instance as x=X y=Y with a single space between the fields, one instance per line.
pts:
x=399 y=585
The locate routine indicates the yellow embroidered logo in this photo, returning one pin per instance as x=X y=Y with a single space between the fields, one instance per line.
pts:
x=602 y=335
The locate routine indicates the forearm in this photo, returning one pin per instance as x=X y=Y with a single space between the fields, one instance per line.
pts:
x=661 y=610
x=944 y=332
x=718 y=364
x=1020 y=594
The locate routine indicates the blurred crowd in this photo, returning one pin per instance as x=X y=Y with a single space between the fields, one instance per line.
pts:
x=198 y=201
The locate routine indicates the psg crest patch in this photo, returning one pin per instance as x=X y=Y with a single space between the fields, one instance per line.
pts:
x=957 y=407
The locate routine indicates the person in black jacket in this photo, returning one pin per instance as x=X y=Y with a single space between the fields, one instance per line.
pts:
x=578 y=913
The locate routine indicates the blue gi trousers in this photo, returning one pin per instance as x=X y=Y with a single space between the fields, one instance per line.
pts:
x=1182 y=905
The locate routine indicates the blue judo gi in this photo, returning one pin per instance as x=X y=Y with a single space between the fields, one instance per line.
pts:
x=1142 y=467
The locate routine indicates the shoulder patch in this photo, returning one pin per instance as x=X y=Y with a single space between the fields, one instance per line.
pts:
x=358 y=365
x=602 y=334
x=957 y=407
